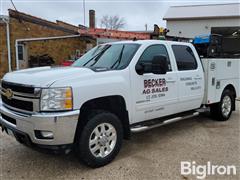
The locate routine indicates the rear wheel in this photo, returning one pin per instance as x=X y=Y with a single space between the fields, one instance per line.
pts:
x=222 y=111
x=100 y=140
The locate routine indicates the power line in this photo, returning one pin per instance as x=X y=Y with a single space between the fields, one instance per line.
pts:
x=13 y=5
x=19 y=18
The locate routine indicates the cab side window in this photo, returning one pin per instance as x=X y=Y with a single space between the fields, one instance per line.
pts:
x=184 y=57
x=154 y=50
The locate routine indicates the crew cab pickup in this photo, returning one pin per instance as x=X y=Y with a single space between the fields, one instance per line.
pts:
x=112 y=91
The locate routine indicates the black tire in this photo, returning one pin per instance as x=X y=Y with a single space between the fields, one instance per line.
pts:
x=83 y=148
x=216 y=109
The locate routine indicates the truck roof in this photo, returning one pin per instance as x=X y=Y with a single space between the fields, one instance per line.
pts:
x=149 y=42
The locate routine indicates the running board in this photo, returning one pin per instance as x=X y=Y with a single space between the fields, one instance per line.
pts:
x=139 y=128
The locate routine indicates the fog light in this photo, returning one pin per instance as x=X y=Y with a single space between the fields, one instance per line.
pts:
x=44 y=134
x=47 y=134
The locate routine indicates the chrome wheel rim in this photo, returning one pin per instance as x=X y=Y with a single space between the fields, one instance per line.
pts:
x=102 y=140
x=226 y=106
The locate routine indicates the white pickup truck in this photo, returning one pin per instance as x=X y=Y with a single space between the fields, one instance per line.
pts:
x=112 y=91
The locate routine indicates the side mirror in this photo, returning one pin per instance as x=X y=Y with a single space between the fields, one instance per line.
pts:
x=159 y=65
x=140 y=69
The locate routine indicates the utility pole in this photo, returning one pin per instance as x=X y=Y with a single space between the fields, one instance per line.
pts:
x=84 y=18
x=146 y=27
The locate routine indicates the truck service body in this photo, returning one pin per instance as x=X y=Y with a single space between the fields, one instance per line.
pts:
x=92 y=105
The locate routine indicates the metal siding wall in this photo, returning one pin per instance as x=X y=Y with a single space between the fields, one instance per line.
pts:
x=192 y=28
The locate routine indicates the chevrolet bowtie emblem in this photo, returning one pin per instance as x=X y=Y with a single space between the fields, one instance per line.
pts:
x=8 y=93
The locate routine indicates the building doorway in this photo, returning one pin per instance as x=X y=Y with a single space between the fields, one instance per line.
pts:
x=22 y=56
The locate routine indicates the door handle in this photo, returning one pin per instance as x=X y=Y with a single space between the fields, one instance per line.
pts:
x=198 y=78
x=170 y=80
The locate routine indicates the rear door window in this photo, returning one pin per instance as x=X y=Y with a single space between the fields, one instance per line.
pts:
x=185 y=58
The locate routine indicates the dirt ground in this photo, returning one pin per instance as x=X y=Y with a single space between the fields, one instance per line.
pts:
x=155 y=154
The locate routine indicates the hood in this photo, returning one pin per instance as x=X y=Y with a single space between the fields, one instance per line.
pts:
x=45 y=76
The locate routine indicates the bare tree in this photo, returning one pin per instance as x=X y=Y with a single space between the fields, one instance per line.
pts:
x=112 y=22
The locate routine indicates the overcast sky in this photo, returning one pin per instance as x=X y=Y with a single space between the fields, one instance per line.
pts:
x=137 y=13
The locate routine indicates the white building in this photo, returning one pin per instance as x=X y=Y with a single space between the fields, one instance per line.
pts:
x=190 y=21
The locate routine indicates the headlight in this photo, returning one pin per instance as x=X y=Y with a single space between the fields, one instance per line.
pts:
x=56 y=99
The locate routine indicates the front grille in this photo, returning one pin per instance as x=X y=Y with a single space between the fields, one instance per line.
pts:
x=24 y=97
x=18 y=87
x=19 y=104
x=9 y=119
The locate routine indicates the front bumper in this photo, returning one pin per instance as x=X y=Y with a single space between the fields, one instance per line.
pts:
x=62 y=124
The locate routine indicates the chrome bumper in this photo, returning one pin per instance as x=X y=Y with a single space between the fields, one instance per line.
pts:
x=62 y=124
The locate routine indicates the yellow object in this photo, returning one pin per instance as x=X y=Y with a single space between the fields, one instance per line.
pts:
x=161 y=30
x=68 y=104
x=68 y=93
x=68 y=101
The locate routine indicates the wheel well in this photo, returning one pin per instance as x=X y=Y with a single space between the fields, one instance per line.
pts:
x=113 y=104
x=232 y=89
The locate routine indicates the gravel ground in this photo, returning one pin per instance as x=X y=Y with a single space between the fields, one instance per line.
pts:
x=155 y=154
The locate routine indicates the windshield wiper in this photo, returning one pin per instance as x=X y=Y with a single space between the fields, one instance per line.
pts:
x=119 y=58
x=96 y=56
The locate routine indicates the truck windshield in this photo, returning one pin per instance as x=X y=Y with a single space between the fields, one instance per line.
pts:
x=108 y=56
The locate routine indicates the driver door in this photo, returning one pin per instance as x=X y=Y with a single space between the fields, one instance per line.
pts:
x=154 y=95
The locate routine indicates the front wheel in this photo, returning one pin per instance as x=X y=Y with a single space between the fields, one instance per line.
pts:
x=223 y=110
x=100 y=140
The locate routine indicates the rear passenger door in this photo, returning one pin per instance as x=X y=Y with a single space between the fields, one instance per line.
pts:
x=190 y=77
